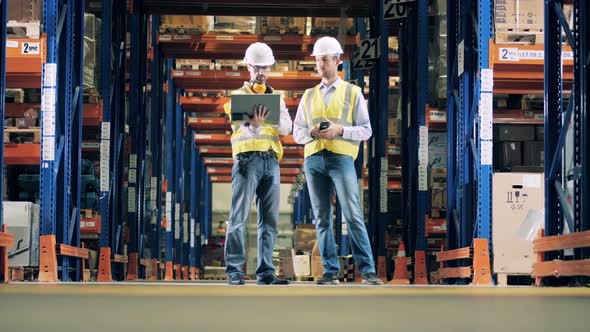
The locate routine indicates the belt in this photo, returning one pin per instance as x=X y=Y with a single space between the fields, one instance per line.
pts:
x=263 y=154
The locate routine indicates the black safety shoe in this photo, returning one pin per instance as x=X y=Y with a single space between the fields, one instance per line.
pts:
x=371 y=279
x=271 y=279
x=236 y=279
x=328 y=279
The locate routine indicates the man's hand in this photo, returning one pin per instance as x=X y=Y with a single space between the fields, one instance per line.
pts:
x=332 y=131
x=259 y=114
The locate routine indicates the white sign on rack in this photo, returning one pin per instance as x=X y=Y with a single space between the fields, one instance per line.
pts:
x=423 y=159
x=370 y=49
x=395 y=9
x=461 y=58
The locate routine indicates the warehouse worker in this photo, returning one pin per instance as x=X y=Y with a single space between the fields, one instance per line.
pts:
x=332 y=120
x=256 y=150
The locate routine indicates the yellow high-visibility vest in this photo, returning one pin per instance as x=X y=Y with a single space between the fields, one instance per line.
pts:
x=267 y=137
x=340 y=110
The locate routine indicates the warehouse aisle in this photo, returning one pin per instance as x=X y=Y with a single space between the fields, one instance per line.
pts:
x=300 y=307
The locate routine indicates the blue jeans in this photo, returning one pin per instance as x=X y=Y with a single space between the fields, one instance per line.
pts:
x=321 y=171
x=260 y=176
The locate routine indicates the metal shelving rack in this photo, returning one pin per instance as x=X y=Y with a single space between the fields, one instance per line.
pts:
x=566 y=177
x=112 y=91
x=469 y=118
x=61 y=119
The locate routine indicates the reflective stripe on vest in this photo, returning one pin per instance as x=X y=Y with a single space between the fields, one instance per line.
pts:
x=266 y=138
x=337 y=144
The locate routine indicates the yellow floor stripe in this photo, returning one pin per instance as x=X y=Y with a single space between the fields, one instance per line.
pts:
x=212 y=289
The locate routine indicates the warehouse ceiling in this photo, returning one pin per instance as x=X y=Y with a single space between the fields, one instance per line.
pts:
x=316 y=8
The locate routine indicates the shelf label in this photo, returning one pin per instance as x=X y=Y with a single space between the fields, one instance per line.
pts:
x=198 y=229
x=168 y=221
x=508 y=54
x=461 y=58
x=178 y=73
x=233 y=74
x=154 y=183
x=182 y=37
x=105 y=132
x=224 y=37
x=531 y=55
x=485 y=116
x=369 y=49
x=176 y=229
x=165 y=38
x=487 y=80
x=132 y=175
x=193 y=73
x=50 y=75
x=394 y=9
x=131 y=199
x=383 y=186
x=357 y=62
x=11 y=44
x=276 y=74
x=438 y=116
x=185 y=228
x=273 y=38
x=104 y=165
x=202 y=136
x=423 y=159
x=132 y=161
x=487 y=153
x=48 y=148
x=204 y=150
x=30 y=48
x=48 y=124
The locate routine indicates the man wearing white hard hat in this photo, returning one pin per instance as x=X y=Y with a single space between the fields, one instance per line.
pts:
x=256 y=150
x=332 y=120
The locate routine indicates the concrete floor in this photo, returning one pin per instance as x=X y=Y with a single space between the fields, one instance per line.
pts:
x=301 y=307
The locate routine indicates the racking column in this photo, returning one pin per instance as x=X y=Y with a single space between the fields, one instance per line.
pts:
x=178 y=208
x=61 y=107
x=562 y=174
x=156 y=148
x=169 y=130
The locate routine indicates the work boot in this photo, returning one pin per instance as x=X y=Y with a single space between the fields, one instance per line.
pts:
x=371 y=279
x=328 y=279
x=271 y=279
x=236 y=279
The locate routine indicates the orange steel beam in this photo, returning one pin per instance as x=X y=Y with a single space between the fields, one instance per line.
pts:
x=24 y=62
x=17 y=110
x=559 y=268
x=522 y=71
x=71 y=251
x=227 y=179
x=221 y=79
x=225 y=139
x=450 y=255
x=454 y=272
x=92 y=115
x=215 y=104
x=558 y=242
x=208 y=123
x=220 y=171
x=228 y=162
x=22 y=154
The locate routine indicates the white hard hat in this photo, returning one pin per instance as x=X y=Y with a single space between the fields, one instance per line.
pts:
x=259 y=54
x=326 y=45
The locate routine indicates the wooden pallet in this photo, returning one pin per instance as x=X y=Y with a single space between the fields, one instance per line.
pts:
x=526 y=37
x=24 y=29
x=18 y=135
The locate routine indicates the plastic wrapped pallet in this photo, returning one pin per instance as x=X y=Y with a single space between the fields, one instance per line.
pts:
x=186 y=23
x=281 y=25
x=235 y=24
x=519 y=15
x=330 y=25
x=25 y=10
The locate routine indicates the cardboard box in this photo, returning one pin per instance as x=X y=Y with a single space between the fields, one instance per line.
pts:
x=508 y=132
x=301 y=265
x=519 y=15
x=22 y=220
x=515 y=196
x=507 y=155
x=317 y=268
x=438 y=198
x=534 y=153
x=393 y=127
x=305 y=237
x=235 y=24
x=25 y=10
x=438 y=177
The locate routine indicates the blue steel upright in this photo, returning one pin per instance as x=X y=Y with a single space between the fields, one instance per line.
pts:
x=156 y=143
x=169 y=146
x=559 y=214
